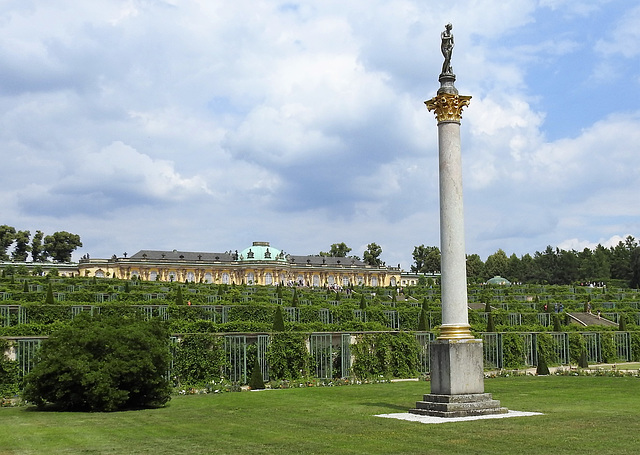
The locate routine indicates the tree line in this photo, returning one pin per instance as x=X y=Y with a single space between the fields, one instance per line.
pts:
x=551 y=266
x=58 y=246
x=371 y=255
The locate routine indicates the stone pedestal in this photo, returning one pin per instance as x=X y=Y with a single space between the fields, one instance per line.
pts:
x=457 y=382
x=478 y=404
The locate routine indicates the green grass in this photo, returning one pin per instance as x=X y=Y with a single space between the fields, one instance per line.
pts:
x=582 y=415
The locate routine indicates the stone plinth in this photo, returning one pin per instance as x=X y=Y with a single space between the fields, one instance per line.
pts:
x=475 y=404
x=457 y=382
x=456 y=367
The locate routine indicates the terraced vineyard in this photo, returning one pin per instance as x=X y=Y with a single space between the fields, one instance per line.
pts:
x=341 y=330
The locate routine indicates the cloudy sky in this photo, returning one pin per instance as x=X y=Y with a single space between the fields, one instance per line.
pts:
x=206 y=125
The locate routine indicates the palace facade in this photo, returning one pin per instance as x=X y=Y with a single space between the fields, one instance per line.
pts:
x=259 y=264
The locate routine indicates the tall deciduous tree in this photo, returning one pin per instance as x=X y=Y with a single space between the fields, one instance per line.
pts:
x=514 y=268
x=475 y=267
x=22 y=248
x=496 y=264
x=339 y=250
x=426 y=259
x=7 y=235
x=635 y=268
x=61 y=244
x=372 y=254
x=37 y=250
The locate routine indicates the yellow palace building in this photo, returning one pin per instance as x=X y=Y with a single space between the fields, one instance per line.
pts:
x=259 y=264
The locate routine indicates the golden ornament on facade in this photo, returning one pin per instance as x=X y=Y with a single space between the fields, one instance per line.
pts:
x=448 y=107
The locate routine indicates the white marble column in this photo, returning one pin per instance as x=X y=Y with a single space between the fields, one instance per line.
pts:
x=455 y=320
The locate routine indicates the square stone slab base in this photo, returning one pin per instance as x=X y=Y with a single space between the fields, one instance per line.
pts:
x=463 y=405
x=457 y=382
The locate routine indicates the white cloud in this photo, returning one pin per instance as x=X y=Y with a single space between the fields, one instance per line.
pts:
x=579 y=245
x=624 y=39
x=216 y=123
x=580 y=7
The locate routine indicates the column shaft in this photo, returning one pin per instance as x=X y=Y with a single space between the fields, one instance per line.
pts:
x=452 y=243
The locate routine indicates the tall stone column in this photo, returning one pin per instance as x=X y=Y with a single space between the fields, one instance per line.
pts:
x=456 y=358
x=448 y=106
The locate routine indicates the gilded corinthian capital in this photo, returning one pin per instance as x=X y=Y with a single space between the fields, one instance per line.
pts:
x=448 y=107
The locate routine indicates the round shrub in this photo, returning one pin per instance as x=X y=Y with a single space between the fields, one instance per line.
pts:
x=102 y=363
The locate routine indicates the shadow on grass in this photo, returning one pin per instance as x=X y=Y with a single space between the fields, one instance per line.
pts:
x=52 y=407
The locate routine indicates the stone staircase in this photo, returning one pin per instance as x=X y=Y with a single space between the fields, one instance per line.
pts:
x=585 y=319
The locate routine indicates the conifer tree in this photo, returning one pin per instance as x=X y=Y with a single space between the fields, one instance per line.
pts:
x=179 y=300
x=422 y=321
x=278 y=320
x=622 y=326
x=582 y=362
x=491 y=326
x=294 y=299
x=49 y=300
x=363 y=302
x=542 y=368
x=256 y=382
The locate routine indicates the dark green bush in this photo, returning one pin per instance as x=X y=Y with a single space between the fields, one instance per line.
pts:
x=102 y=363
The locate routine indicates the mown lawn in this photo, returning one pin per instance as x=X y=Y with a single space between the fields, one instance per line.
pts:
x=582 y=415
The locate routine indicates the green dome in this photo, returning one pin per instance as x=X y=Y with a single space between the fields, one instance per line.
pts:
x=261 y=251
x=499 y=281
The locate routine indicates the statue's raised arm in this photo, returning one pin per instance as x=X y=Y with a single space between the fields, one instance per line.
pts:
x=447 y=49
